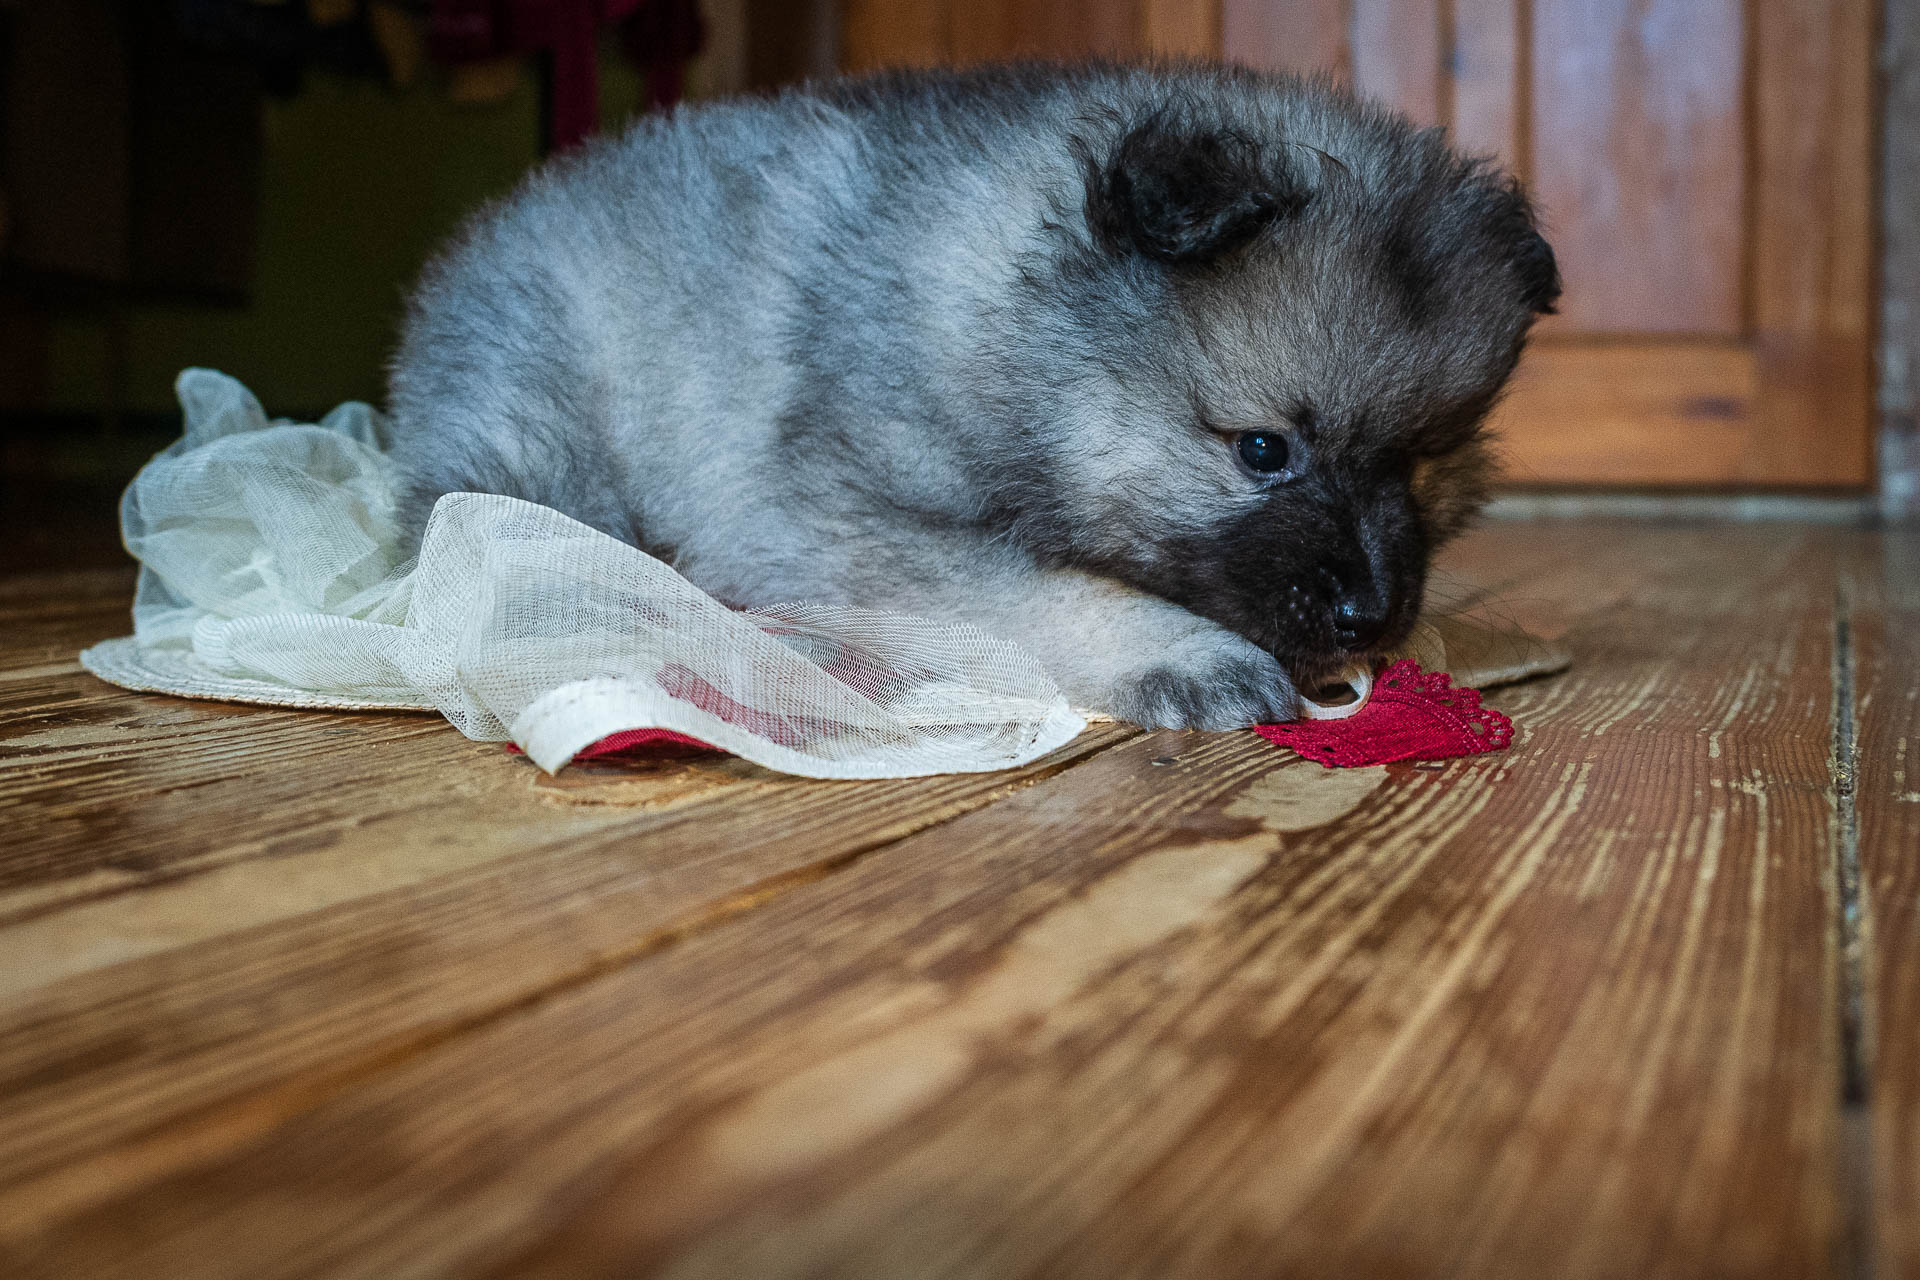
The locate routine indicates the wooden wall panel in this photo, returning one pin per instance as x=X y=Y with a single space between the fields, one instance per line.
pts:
x=1307 y=35
x=987 y=29
x=892 y=33
x=1397 y=55
x=1813 y=234
x=1490 y=74
x=1639 y=160
x=1440 y=61
x=1649 y=412
x=882 y=33
x=1188 y=28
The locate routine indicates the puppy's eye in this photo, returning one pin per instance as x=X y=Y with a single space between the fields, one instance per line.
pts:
x=1262 y=451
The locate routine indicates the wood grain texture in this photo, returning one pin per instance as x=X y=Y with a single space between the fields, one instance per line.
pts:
x=1184 y=28
x=893 y=33
x=1645 y=412
x=1884 y=613
x=1188 y=1007
x=1783 y=237
x=1490 y=70
x=1639 y=159
x=239 y=858
x=1257 y=1131
x=881 y=33
x=1398 y=56
x=1307 y=36
x=1812 y=236
x=989 y=29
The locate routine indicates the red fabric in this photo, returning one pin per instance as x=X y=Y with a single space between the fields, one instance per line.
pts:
x=1412 y=715
x=685 y=685
x=639 y=739
x=630 y=740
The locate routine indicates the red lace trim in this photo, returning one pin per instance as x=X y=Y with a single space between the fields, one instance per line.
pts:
x=1412 y=715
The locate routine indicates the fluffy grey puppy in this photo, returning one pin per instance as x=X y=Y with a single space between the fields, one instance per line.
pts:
x=1174 y=376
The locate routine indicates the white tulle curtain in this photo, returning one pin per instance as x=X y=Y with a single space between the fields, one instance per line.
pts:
x=271 y=572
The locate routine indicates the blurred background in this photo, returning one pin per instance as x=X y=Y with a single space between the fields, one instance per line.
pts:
x=252 y=184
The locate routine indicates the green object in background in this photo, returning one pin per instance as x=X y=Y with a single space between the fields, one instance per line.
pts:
x=359 y=184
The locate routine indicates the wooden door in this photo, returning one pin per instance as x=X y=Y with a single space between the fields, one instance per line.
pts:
x=1704 y=166
x=892 y=33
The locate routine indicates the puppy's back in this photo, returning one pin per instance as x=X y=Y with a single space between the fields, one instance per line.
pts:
x=635 y=295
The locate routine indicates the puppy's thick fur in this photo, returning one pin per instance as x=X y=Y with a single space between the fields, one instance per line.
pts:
x=997 y=346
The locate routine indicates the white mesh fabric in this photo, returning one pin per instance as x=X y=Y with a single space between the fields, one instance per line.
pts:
x=271 y=572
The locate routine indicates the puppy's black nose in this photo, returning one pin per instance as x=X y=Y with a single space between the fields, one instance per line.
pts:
x=1357 y=625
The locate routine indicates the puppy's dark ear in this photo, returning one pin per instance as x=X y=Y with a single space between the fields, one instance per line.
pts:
x=1539 y=274
x=1532 y=257
x=1181 y=194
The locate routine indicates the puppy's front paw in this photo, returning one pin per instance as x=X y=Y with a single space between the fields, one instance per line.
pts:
x=1216 y=680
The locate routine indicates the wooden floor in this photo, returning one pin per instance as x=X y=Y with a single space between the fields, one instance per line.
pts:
x=326 y=994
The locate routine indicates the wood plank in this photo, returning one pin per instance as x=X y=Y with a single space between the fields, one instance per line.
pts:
x=1179 y=28
x=112 y=793
x=1639 y=160
x=1640 y=413
x=160 y=841
x=1489 y=80
x=1652 y=414
x=937 y=32
x=1302 y=36
x=988 y=30
x=47 y=618
x=893 y=33
x=1885 y=615
x=1813 y=235
x=1190 y=1008
x=1397 y=56
x=480 y=907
